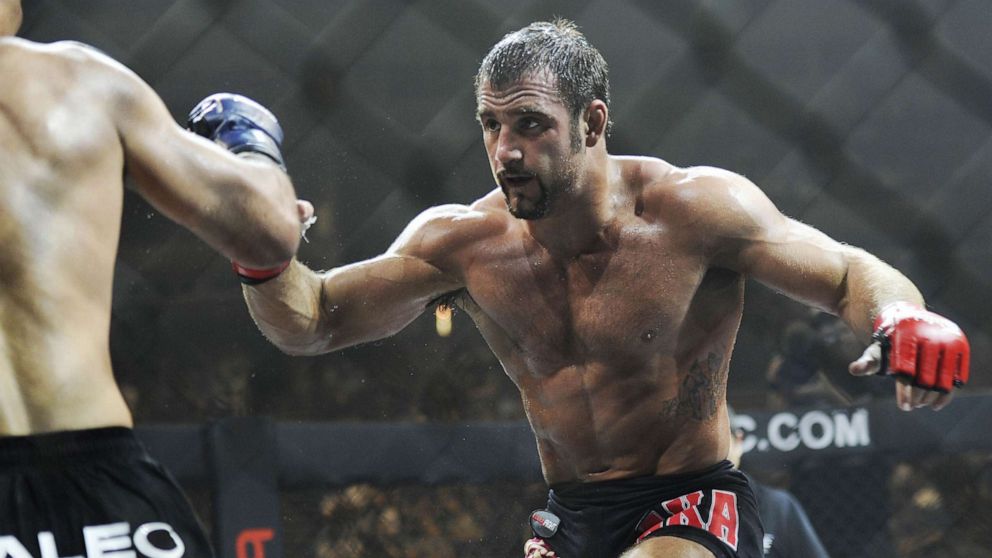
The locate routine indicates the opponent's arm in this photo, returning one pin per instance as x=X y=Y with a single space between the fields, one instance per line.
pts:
x=243 y=206
x=304 y=312
x=874 y=299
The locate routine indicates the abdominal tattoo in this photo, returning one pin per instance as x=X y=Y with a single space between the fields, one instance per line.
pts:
x=699 y=391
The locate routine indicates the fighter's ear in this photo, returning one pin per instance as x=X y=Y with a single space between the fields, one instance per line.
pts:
x=594 y=123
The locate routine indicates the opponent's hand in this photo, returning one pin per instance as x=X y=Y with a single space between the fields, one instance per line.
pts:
x=239 y=124
x=926 y=353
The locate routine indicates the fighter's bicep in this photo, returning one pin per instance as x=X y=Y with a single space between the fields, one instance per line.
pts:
x=378 y=297
x=797 y=260
x=748 y=234
x=176 y=171
x=400 y=277
x=156 y=154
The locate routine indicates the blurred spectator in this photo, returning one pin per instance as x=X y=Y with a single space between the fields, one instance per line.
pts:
x=788 y=531
x=810 y=367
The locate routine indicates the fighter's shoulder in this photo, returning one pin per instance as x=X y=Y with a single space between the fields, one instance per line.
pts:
x=480 y=216
x=451 y=226
x=694 y=184
x=700 y=192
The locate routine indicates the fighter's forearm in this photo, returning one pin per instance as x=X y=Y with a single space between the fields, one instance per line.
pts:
x=306 y=313
x=288 y=311
x=871 y=284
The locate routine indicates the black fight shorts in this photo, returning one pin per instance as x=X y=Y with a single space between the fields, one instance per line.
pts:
x=92 y=493
x=714 y=507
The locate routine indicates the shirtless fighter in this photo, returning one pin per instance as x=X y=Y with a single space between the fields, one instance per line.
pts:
x=74 y=480
x=611 y=289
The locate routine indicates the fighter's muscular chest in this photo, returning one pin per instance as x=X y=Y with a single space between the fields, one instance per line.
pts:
x=627 y=297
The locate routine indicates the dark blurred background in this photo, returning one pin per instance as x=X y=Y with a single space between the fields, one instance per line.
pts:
x=868 y=119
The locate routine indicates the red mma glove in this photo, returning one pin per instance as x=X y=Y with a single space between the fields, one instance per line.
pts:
x=927 y=349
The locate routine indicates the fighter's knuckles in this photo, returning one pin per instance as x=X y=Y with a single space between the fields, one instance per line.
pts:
x=927 y=349
x=305 y=210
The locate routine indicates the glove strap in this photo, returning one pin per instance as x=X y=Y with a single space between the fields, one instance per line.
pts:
x=251 y=140
x=883 y=323
x=885 y=345
x=250 y=276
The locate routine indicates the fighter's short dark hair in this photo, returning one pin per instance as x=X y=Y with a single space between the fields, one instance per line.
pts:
x=557 y=47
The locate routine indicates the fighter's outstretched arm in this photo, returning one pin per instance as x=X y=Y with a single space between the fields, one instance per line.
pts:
x=802 y=262
x=927 y=353
x=244 y=207
x=305 y=312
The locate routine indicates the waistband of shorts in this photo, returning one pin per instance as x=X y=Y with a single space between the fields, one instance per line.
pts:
x=70 y=446
x=601 y=492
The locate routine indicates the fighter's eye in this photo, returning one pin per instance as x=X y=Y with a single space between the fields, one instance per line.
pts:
x=528 y=123
x=490 y=125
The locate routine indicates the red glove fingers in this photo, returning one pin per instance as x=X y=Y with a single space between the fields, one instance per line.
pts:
x=927 y=349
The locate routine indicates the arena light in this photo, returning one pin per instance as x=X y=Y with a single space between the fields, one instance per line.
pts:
x=442 y=320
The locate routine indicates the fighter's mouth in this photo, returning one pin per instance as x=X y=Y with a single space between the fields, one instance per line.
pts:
x=516 y=180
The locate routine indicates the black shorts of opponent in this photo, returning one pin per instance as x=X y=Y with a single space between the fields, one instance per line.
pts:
x=92 y=493
x=714 y=507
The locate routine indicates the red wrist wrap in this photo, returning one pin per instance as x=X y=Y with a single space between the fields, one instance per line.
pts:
x=250 y=276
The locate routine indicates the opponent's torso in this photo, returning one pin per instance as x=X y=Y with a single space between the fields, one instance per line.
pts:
x=621 y=355
x=60 y=202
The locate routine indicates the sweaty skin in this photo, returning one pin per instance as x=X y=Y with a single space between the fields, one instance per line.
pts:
x=615 y=312
x=71 y=120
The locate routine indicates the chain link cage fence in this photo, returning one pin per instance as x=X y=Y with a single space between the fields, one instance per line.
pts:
x=868 y=119
x=887 y=507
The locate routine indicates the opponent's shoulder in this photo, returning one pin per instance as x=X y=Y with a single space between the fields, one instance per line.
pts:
x=75 y=50
x=99 y=65
x=10 y=45
x=60 y=52
x=71 y=66
x=119 y=81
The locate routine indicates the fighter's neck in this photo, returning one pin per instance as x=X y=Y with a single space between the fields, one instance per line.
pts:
x=577 y=223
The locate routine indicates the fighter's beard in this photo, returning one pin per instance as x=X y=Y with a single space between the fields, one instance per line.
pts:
x=539 y=208
x=562 y=184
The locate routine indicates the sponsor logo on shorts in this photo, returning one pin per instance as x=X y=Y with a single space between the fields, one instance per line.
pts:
x=688 y=510
x=544 y=523
x=114 y=540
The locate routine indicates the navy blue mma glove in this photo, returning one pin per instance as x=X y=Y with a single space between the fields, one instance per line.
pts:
x=238 y=124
